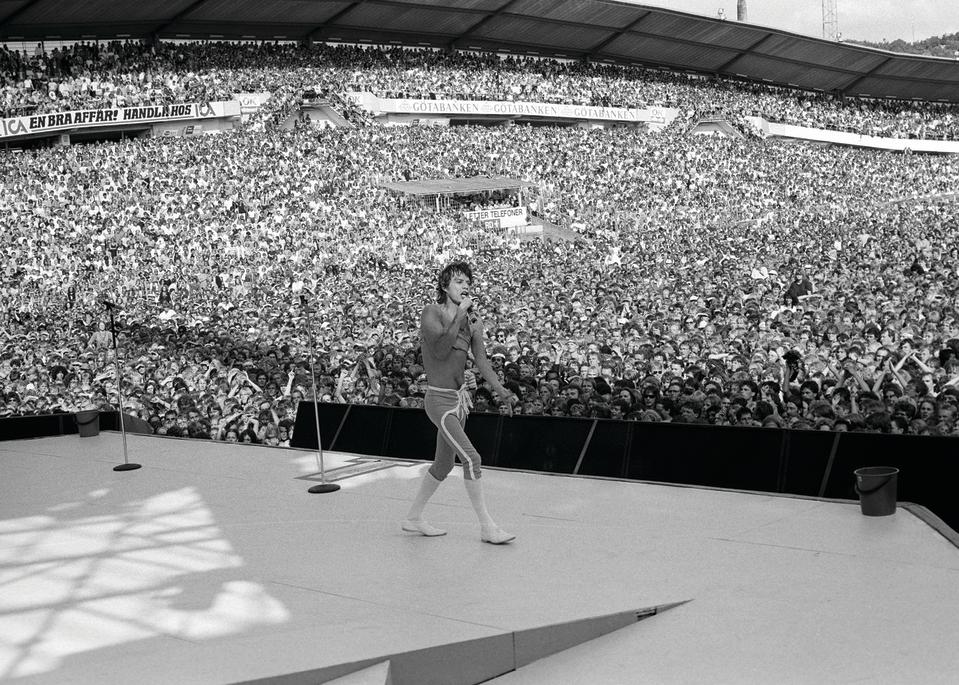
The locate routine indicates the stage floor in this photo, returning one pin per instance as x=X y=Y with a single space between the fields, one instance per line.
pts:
x=212 y=564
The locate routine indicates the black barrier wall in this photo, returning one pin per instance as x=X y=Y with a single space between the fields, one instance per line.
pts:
x=813 y=463
x=46 y=425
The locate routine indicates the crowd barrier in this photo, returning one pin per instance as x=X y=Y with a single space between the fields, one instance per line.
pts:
x=797 y=462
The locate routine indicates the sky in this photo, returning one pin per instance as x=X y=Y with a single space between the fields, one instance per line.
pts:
x=872 y=20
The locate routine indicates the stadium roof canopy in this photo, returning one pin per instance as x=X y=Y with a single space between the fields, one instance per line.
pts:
x=602 y=30
x=457 y=186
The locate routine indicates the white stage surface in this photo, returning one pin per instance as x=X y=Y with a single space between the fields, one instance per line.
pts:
x=212 y=564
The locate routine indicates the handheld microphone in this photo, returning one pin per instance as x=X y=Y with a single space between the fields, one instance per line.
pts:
x=470 y=313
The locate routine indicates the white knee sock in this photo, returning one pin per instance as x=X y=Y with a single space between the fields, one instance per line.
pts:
x=474 y=488
x=427 y=487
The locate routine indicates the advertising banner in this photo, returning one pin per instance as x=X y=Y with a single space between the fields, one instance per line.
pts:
x=651 y=115
x=772 y=129
x=118 y=116
x=504 y=217
x=250 y=102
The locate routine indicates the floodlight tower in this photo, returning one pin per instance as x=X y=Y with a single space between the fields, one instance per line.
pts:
x=830 y=20
x=741 y=11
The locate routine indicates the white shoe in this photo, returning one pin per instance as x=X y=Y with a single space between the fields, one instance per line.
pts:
x=495 y=535
x=422 y=527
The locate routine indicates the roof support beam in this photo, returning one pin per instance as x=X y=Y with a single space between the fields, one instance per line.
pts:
x=855 y=81
x=17 y=12
x=177 y=17
x=489 y=17
x=728 y=63
x=626 y=29
x=311 y=34
x=349 y=8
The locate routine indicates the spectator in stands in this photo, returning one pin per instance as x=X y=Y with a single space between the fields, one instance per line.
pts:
x=208 y=242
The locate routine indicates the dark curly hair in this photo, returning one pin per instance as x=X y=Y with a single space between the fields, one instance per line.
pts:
x=446 y=275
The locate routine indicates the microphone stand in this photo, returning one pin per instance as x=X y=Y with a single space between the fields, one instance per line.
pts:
x=126 y=465
x=323 y=486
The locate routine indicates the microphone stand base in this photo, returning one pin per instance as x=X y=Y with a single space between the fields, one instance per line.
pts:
x=126 y=467
x=323 y=488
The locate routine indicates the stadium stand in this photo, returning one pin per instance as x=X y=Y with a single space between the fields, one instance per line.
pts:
x=715 y=280
x=120 y=74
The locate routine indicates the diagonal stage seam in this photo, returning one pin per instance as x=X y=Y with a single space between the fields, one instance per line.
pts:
x=537 y=643
x=477 y=660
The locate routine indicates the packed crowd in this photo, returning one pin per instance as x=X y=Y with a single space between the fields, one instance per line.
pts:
x=714 y=280
x=679 y=302
x=93 y=75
